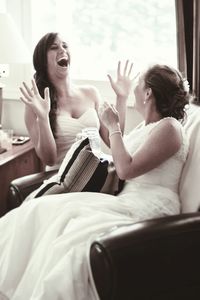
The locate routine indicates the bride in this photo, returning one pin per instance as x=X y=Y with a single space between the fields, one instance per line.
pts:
x=45 y=243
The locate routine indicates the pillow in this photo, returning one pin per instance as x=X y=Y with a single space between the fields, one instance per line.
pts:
x=82 y=171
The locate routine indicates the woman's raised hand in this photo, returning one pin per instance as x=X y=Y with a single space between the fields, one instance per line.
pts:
x=122 y=85
x=32 y=98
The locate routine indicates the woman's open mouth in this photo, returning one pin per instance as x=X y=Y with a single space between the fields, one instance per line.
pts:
x=63 y=62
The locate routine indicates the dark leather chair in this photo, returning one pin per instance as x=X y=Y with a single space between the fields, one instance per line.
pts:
x=156 y=259
x=150 y=260
x=21 y=187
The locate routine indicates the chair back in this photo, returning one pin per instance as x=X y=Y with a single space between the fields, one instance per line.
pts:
x=189 y=188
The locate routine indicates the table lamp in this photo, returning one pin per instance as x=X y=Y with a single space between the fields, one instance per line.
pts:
x=13 y=50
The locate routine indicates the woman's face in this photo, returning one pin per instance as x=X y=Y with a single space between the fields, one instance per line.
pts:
x=58 y=59
x=139 y=92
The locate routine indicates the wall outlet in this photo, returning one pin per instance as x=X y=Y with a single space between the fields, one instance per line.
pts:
x=4 y=70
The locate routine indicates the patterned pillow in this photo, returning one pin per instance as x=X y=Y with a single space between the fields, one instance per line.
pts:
x=82 y=171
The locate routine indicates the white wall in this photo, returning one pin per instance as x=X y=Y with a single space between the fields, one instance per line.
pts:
x=13 y=116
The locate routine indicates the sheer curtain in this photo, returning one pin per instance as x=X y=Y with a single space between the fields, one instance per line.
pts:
x=188 y=38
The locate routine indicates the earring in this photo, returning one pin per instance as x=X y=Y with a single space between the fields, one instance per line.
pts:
x=144 y=102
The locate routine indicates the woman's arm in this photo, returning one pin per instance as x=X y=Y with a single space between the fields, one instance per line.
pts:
x=122 y=87
x=163 y=142
x=37 y=122
x=104 y=133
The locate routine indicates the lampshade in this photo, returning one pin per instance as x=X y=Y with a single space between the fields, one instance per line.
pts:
x=13 y=48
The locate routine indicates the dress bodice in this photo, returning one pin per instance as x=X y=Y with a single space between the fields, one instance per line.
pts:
x=68 y=127
x=163 y=180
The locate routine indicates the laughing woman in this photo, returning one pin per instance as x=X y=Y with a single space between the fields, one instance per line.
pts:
x=57 y=109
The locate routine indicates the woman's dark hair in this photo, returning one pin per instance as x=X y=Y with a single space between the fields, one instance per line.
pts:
x=169 y=89
x=41 y=73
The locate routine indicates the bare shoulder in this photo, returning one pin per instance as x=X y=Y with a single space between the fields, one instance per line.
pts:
x=89 y=90
x=168 y=132
x=91 y=93
x=169 y=125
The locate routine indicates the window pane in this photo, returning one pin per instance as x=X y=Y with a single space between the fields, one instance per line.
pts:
x=102 y=32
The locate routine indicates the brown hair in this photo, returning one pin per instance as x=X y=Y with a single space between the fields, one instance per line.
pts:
x=168 y=87
x=41 y=74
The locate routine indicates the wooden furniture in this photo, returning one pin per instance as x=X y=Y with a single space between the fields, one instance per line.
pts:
x=19 y=161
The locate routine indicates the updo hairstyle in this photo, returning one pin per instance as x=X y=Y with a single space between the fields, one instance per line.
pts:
x=170 y=89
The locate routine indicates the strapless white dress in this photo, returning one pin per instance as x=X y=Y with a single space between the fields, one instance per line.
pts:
x=44 y=245
x=67 y=129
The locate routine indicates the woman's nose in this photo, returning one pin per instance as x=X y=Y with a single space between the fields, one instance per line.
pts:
x=62 y=49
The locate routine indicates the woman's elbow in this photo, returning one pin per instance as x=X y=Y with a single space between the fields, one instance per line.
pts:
x=50 y=163
x=122 y=174
x=48 y=160
x=124 y=169
x=51 y=160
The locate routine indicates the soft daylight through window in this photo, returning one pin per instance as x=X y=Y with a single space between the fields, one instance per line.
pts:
x=102 y=32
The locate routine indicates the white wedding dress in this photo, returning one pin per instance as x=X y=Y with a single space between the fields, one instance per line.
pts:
x=67 y=129
x=45 y=243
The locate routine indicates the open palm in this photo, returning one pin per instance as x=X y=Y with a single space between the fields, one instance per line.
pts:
x=122 y=85
x=32 y=98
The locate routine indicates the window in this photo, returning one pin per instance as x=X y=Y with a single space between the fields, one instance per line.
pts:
x=99 y=34
x=102 y=32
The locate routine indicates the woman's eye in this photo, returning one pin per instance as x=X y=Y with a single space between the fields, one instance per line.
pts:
x=53 y=47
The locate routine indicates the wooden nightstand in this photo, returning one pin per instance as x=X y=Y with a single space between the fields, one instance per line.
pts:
x=21 y=160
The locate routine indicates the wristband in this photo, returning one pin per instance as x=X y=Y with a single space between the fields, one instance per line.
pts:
x=115 y=132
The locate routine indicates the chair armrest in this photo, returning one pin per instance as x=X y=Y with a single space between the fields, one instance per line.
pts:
x=155 y=259
x=21 y=187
